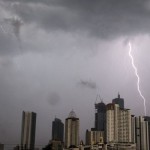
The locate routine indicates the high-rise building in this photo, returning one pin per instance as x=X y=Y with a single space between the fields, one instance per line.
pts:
x=119 y=101
x=118 y=124
x=141 y=133
x=147 y=118
x=57 y=130
x=72 y=130
x=133 y=129
x=100 y=116
x=28 y=130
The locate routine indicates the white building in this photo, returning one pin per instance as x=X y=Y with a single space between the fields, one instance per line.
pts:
x=72 y=130
x=118 y=124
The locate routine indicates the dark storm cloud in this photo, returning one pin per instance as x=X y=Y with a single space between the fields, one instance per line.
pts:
x=15 y=25
x=89 y=84
x=98 y=18
x=102 y=18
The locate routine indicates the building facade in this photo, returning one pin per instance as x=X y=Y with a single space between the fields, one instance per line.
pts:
x=28 y=130
x=141 y=133
x=57 y=130
x=100 y=117
x=72 y=130
x=94 y=137
x=118 y=125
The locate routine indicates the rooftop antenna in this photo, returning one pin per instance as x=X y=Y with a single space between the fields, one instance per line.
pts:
x=99 y=97
x=96 y=98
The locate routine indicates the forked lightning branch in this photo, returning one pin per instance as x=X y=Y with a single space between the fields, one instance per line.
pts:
x=137 y=75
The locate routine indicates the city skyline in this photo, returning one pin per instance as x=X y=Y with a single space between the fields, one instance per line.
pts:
x=56 y=56
x=120 y=125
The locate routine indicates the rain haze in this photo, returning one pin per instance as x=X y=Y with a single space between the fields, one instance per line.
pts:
x=57 y=55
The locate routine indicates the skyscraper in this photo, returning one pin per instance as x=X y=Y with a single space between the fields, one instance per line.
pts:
x=57 y=130
x=28 y=130
x=100 y=116
x=119 y=101
x=71 y=130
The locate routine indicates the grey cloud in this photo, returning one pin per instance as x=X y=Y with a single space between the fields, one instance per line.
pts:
x=103 y=18
x=8 y=44
x=15 y=25
x=54 y=98
x=88 y=83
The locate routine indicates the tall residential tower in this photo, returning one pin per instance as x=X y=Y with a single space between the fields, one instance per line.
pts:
x=72 y=130
x=28 y=130
x=57 y=130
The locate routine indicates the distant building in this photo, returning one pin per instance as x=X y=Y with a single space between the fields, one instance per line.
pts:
x=118 y=124
x=28 y=130
x=147 y=118
x=100 y=116
x=122 y=146
x=1 y=146
x=133 y=140
x=119 y=101
x=57 y=130
x=94 y=137
x=141 y=133
x=54 y=145
x=72 y=130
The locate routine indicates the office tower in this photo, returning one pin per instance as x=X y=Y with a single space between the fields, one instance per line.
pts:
x=100 y=116
x=72 y=130
x=141 y=133
x=119 y=101
x=118 y=124
x=57 y=130
x=28 y=130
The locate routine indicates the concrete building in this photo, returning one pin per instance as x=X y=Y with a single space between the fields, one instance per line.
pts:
x=119 y=101
x=94 y=137
x=28 y=130
x=72 y=130
x=133 y=140
x=141 y=133
x=121 y=146
x=118 y=124
x=147 y=118
x=57 y=130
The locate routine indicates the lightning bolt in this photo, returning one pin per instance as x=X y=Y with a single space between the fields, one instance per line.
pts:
x=138 y=78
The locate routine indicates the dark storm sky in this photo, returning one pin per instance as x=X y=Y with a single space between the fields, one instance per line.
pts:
x=57 y=55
